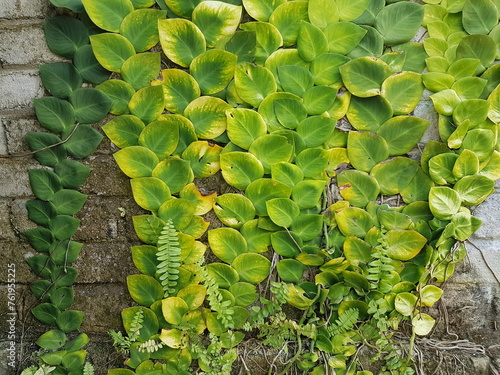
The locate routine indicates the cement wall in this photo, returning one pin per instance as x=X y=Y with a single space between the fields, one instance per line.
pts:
x=466 y=340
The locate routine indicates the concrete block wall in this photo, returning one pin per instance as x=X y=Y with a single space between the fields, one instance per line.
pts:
x=466 y=340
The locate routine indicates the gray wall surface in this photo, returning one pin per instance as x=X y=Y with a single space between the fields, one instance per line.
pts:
x=466 y=340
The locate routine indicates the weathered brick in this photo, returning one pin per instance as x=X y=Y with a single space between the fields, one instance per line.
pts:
x=101 y=305
x=19 y=88
x=106 y=178
x=489 y=212
x=23 y=43
x=15 y=130
x=6 y=232
x=14 y=181
x=101 y=219
x=16 y=253
x=15 y=9
x=105 y=262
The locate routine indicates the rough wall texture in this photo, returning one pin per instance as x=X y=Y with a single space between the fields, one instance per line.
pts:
x=465 y=342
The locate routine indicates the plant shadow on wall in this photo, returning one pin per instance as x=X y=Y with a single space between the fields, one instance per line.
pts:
x=333 y=236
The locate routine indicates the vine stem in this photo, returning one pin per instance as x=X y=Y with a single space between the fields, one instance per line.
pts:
x=294 y=358
x=42 y=149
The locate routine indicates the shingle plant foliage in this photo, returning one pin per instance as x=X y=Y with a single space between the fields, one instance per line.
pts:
x=336 y=229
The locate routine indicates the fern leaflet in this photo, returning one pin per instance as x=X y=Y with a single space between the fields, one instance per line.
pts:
x=169 y=256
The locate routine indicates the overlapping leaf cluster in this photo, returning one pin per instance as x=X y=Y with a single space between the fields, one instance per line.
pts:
x=67 y=116
x=307 y=110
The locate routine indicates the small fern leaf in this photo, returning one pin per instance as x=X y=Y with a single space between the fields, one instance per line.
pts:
x=169 y=256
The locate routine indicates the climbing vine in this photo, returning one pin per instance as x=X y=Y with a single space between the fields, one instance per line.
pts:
x=335 y=228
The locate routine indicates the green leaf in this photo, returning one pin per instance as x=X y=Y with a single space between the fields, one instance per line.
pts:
x=213 y=70
x=398 y=23
x=136 y=161
x=175 y=172
x=120 y=92
x=354 y=221
x=464 y=67
x=365 y=149
x=357 y=250
x=311 y=41
x=404 y=244
x=479 y=16
x=64 y=226
x=40 y=239
x=226 y=243
x=208 y=115
x=436 y=81
x=405 y=303
x=322 y=13
x=395 y=174
x=46 y=313
x=204 y=158
x=402 y=133
x=111 y=50
x=325 y=69
x=357 y=187
x=308 y=226
x=174 y=309
x=224 y=274
x=73 y=5
x=282 y=211
x=90 y=105
x=286 y=243
x=319 y=99
x=183 y=8
x=239 y=169
x=372 y=44
x=307 y=194
x=69 y=321
x=140 y=27
x=144 y=290
x=289 y=112
x=124 y=130
x=315 y=130
x=244 y=126
x=244 y=45
x=181 y=40
x=144 y=258
x=295 y=79
x=474 y=189
x=368 y=113
x=445 y=102
x=108 y=14
x=48 y=147
x=139 y=70
x=252 y=268
x=52 y=340
x=244 y=293
x=441 y=168
x=179 y=89
x=343 y=37
x=403 y=91
x=60 y=78
x=68 y=202
x=161 y=137
x=290 y=270
x=83 y=142
x=40 y=212
x=62 y=298
x=44 y=183
x=444 y=202
x=287 y=18
x=422 y=324
x=148 y=228
x=72 y=173
x=480 y=47
x=147 y=103
x=270 y=149
x=89 y=68
x=54 y=114
x=288 y=57
x=287 y=173
x=313 y=162
x=364 y=76
x=150 y=192
x=262 y=190
x=261 y=10
x=65 y=35
x=254 y=83
x=481 y=141
x=234 y=210
x=268 y=39
x=351 y=9
x=216 y=20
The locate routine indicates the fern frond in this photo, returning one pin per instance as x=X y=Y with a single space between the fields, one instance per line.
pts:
x=88 y=369
x=345 y=322
x=150 y=346
x=136 y=325
x=169 y=256
x=216 y=300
